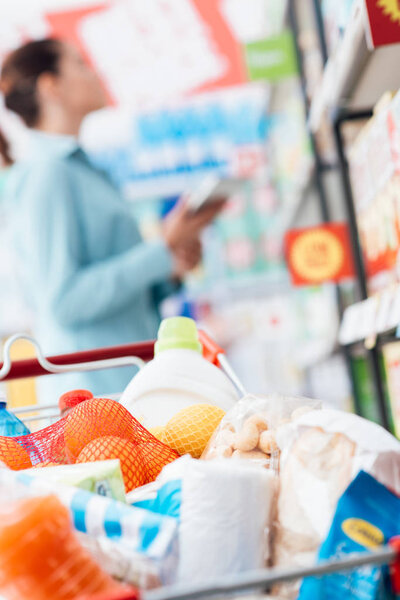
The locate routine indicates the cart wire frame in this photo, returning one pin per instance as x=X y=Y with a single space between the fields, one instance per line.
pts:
x=136 y=355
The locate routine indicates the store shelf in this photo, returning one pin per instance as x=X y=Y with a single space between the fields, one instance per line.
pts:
x=355 y=76
x=381 y=340
x=372 y=321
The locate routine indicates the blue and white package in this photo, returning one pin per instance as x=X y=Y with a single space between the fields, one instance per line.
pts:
x=367 y=516
x=142 y=531
x=166 y=501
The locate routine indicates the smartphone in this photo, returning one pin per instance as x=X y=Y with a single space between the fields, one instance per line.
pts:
x=211 y=189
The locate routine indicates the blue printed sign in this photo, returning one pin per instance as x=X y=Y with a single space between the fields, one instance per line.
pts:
x=161 y=152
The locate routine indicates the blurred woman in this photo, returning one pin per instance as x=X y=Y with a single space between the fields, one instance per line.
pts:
x=89 y=276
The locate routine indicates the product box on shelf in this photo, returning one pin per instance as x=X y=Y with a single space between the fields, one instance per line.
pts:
x=375 y=176
x=391 y=355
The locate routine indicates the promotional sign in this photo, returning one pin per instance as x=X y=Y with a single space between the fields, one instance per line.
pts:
x=156 y=50
x=273 y=58
x=178 y=74
x=149 y=53
x=164 y=152
x=375 y=178
x=319 y=254
x=383 y=22
x=391 y=354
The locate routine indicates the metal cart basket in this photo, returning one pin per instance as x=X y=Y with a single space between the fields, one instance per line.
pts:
x=137 y=355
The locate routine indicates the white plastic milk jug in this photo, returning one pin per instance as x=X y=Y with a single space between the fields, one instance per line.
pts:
x=177 y=377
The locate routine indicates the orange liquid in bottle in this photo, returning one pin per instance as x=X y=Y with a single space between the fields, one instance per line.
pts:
x=40 y=556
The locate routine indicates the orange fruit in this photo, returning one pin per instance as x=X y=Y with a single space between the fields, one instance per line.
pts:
x=46 y=463
x=155 y=457
x=129 y=454
x=95 y=418
x=13 y=455
x=189 y=431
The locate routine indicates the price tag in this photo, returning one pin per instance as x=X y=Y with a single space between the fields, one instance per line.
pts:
x=386 y=300
x=349 y=328
x=367 y=322
x=394 y=316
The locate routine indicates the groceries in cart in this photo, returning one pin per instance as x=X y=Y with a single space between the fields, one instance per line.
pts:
x=367 y=515
x=248 y=431
x=41 y=557
x=177 y=378
x=189 y=482
x=103 y=477
x=95 y=429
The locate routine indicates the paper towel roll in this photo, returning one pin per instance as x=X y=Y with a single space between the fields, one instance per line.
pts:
x=225 y=519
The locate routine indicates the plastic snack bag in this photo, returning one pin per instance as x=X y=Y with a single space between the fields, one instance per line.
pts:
x=153 y=537
x=248 y=430
x=367 y=516
x=321 y=452
x=103 y=477
x=40 y=555
x=121 y=562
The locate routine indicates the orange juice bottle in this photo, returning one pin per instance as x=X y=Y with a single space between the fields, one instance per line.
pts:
x=41 y=557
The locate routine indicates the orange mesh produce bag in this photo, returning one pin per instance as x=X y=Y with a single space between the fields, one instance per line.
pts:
x=90 y=420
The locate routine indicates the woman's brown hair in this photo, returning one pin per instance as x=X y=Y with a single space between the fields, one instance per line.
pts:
x=5 y=155
x=19 y=74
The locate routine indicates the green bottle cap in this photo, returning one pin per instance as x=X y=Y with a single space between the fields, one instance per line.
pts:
x=178 y=333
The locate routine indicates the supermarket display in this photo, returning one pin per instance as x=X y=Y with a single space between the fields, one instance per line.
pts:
x=335 y=15
x=375 y=182
x=177 y=378
x=207 y=472
x=391 y=355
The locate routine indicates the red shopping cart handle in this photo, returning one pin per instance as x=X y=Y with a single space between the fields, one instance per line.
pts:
x=211 y=350
x=31 y=368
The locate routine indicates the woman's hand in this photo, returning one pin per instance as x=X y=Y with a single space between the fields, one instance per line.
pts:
x=182 y=226
x=186 y=257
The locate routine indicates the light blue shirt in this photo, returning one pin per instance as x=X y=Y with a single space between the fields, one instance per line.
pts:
x=90 y=278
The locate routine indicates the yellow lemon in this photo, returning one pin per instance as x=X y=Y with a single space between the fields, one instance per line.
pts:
x=158 y=432
x=189 y=431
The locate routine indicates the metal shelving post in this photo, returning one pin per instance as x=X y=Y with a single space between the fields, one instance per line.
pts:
x=339 y=118
x=320 y=167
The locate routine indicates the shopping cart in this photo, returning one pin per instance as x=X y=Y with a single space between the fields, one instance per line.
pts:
x=136 y=355
x=263 y=580
x=128 y=355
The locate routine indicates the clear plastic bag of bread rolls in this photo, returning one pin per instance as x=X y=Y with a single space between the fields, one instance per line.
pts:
x=248 y=430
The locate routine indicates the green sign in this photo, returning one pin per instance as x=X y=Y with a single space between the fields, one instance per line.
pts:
x=272 y=59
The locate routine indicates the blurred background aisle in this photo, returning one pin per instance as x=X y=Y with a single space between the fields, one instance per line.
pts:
x=279 y=92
